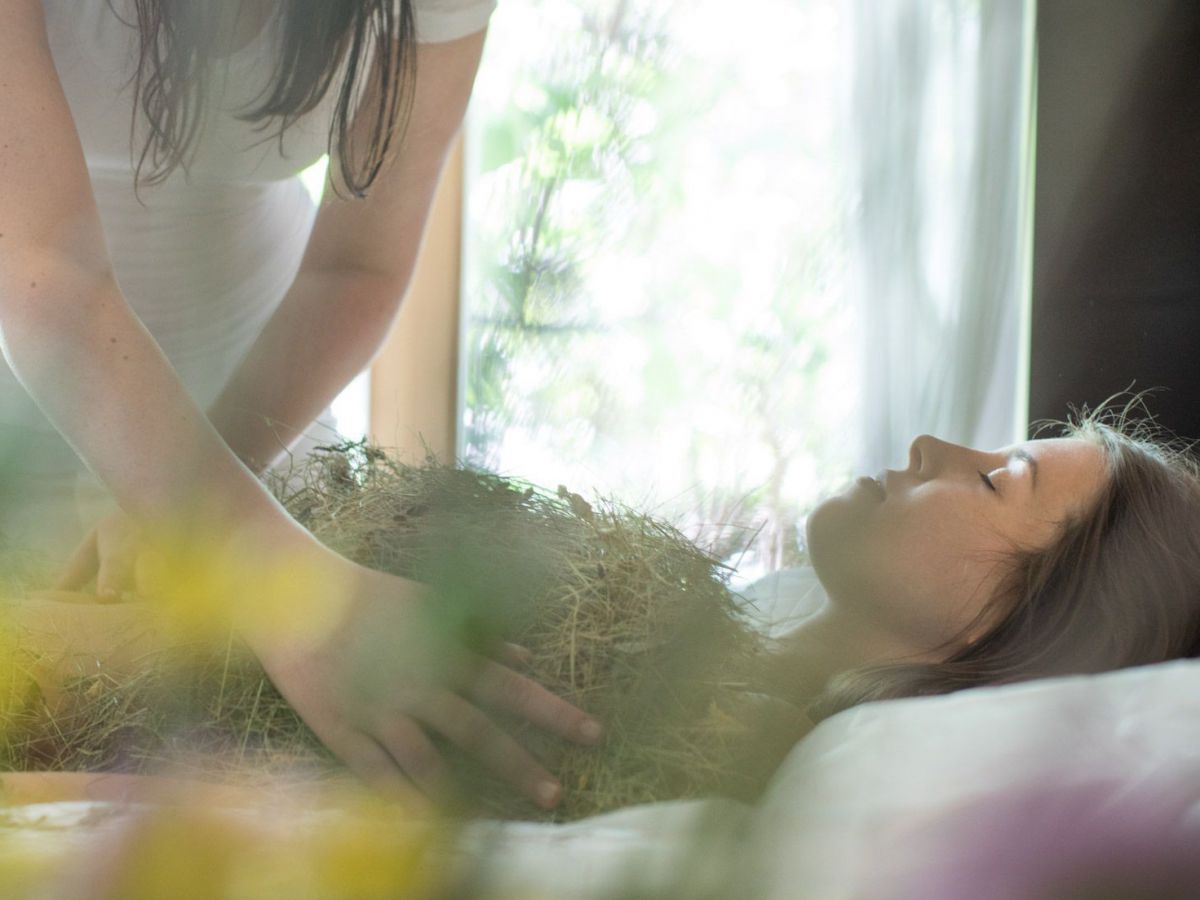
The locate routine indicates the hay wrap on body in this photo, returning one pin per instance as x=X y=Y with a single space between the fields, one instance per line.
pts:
x=622 y=615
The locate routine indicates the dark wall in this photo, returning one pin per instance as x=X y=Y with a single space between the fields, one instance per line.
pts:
x=1116 y=246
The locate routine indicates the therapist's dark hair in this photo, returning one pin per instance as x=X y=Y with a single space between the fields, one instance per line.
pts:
x=1119 y=587
x=318 y=36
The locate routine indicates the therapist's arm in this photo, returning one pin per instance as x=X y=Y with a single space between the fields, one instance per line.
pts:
x=66 y=329
x=355 y=272
x=77 y=347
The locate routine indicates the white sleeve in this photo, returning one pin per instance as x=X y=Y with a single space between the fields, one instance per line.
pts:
x=446 y=20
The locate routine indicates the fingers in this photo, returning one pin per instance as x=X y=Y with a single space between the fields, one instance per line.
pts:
x=415 y=754
x=400 y=753
x=369 y=762
x=114 y=574
x=505 y=689
x=514 y=655
x=478 y=735
x=105 y=555
x=80 y=567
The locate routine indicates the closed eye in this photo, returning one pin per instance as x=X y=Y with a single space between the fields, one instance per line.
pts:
x=988 y=482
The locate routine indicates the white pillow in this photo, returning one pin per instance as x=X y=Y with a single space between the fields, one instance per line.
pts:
x=873 y=800
x=915 y=798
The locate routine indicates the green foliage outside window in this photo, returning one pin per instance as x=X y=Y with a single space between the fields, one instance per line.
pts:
x=655 y=282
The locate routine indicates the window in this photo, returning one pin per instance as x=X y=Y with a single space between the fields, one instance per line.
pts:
x=656 y=253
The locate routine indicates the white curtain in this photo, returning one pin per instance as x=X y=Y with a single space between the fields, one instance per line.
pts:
x=940 y=137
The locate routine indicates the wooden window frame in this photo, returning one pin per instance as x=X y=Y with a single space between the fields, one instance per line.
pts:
x=414 y=378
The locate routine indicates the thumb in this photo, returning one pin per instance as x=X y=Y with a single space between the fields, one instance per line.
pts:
x=80 y=567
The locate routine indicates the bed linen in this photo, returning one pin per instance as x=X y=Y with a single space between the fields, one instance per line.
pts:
x=989 y=793
x=921 y=798
x=912 y=798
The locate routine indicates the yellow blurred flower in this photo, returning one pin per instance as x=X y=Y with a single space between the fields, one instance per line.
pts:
x=370 y=852
x=207 y=583
x=16 y=681
x=177 y=853
x=375 y=853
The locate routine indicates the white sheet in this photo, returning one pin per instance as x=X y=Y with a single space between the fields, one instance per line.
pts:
x=910 y=798
x=878 y=801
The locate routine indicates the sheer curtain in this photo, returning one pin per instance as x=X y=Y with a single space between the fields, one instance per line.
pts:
x=940 y=115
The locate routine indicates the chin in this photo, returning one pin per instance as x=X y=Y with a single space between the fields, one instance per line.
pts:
x=825 y=532
x=834 y=537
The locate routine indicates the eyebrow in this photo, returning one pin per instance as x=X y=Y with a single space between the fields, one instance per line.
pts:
x=1026 y=457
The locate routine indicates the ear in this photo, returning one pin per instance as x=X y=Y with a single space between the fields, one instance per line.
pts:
x=990 y=615
x=978 y=627
x=976 y=631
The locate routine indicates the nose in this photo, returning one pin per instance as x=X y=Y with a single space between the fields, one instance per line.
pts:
x=928 y=456
x=923 y=454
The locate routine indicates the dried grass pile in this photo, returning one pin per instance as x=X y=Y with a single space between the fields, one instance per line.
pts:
x=622 y=614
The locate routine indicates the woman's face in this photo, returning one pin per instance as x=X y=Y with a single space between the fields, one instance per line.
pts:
x=916 y=554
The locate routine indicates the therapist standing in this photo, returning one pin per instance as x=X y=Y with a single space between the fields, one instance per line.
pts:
x=174 y=312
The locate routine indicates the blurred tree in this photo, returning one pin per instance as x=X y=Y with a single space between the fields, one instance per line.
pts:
x=655 y=268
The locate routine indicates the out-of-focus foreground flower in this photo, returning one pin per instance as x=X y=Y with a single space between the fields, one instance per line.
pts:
x=186 y=845
x=1092 y=841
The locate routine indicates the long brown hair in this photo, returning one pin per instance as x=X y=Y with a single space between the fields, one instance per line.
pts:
x=1120 y=587
x=177 y=36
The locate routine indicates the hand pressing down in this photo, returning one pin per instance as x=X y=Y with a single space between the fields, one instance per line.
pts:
x=375 y=685
x=375 y=688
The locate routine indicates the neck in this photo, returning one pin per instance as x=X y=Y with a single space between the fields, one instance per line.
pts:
x=827 y=643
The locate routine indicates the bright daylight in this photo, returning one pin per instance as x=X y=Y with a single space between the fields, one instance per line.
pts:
x=599 y=449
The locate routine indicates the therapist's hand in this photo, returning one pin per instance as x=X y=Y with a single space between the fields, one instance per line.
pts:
x=108 y=554
x=376 y=685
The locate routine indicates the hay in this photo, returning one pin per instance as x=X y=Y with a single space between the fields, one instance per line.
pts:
x=623 y=616
x=190 y=711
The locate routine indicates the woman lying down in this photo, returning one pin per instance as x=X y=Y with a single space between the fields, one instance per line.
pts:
x=1076 y=554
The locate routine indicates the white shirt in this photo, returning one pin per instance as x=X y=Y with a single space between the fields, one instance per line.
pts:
x=207 y=258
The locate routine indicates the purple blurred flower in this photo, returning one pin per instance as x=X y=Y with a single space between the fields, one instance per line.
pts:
x=1127 y=839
